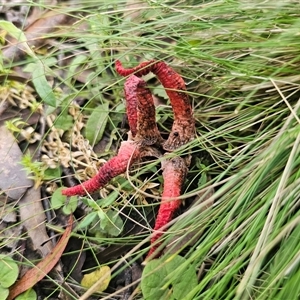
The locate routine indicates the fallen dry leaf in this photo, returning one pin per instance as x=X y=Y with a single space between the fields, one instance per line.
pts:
x=90 y=279
x=13 y=179
x=39 y=271
x=33 y=217
x=36 y=32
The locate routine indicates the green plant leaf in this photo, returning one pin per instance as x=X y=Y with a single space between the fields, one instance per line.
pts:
x=101 y=214
x=96 y=123
x=3 y=292
x=51 y=174
x=107 y=201
x=70 y=206
x=112 y=224
x=76 y=64
x=64 y=121
x=124 y=183
x=90 y=202
x=15 y=125
x=8 y=271
x=168 y=278
x=57 y=199
x=87 y=220
x=2 y=70
x=18 y=34
x=28 y=295
x=160 y=91
x=42 y=86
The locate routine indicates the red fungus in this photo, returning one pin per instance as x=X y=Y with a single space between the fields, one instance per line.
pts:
x=130 y=88
x=183 y=129
x=127 y=155
x=174 y=173
x=147 y=139
x=142 y=116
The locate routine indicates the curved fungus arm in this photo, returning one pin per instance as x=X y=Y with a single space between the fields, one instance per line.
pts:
x=129 y=152
x=141 y=111
x=183 y=129
x=170 y=80
x=130 y=87
x=174 y=173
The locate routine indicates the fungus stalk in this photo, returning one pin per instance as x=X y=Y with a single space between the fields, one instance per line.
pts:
x=174 y=173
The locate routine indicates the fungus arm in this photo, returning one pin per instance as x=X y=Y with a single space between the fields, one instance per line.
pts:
x=129 y=152
x=174 y=173
x=170 y=80
x=141 y=111
x=183 y=129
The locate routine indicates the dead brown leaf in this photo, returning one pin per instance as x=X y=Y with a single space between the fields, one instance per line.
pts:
x=48 y=22
x=13 y=178
x=32 y=217
x=38 y=272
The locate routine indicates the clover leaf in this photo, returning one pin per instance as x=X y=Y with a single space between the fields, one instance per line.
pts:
x=160 y=278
